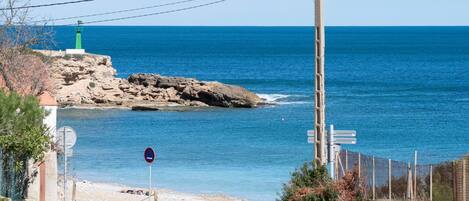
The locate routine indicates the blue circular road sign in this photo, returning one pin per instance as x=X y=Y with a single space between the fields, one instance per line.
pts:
x=149 y=155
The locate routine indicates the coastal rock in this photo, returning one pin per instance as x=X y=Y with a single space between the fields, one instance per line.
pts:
x=189 y=90
x=89 y=80
x=145 y=108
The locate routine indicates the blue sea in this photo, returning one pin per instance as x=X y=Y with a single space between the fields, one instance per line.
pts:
x=401 y=88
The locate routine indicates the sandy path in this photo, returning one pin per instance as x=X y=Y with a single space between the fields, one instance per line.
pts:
x=88 y=191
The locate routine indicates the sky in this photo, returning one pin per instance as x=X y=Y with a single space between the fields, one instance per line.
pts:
x=272 y=12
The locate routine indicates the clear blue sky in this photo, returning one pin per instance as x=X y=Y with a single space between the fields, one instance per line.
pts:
x=277 y=12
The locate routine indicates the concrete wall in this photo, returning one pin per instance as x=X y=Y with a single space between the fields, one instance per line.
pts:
x=51 y=120
x=51 y=172
x=44 y=185
x=50 y=159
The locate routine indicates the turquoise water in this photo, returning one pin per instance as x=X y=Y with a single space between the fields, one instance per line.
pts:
x=401 y=88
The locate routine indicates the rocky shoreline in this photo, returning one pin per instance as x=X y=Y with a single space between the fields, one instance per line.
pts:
x=90 y=81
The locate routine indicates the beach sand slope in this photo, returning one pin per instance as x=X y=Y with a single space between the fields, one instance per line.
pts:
x=87 y=191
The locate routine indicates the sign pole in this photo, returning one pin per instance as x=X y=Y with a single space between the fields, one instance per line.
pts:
x=149 y=156
x=66 y=139
x=330 y=151
x=149 y=189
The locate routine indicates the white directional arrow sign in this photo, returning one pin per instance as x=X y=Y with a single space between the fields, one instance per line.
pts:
x=335 y=138
x=311 y=137
x=345 y=137
x=345 y=133
x=340 y=136
x=345 y=141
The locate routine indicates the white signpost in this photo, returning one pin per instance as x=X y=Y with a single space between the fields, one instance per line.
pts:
x=334 y=140
x=339 y=137
x=150 y=156
x=66 y=139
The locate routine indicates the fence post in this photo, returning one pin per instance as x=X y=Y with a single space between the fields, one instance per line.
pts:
x=359 y=166
x=455 y=184
x=410 y=186
x=374 y=184
x=463 y=179
x=431 y=183
x=415 y=174
x=74 y=190
x=389 y=180
x=337 y=158
x=346 y=160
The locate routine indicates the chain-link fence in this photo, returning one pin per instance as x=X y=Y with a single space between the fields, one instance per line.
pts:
x=386 y=179
x=13 y=177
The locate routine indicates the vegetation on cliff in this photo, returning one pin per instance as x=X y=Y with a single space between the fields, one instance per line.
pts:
x=20 y=69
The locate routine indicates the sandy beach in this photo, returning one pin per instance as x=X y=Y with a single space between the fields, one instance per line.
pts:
x=89 y=191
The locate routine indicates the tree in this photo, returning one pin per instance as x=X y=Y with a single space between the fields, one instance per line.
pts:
x=23 y=137
x=20 y=69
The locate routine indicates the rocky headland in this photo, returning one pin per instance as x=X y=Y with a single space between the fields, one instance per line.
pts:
x=90 y=81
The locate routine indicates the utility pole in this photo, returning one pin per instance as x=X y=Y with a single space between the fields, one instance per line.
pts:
x=335 y=138
x=319 y=89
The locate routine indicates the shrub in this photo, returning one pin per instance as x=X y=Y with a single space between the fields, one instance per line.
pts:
x=309 y=184
x=314 y=184
x=23 y=137
x=78 y=57
x=22 y=132
x=443 y=182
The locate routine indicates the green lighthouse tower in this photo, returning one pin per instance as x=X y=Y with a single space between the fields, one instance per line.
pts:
x=78 y=35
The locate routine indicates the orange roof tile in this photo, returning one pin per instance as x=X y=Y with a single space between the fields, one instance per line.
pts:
x=46 y=99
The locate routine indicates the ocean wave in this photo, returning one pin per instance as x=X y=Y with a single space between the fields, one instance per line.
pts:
x=282 y=99
x=273 y=97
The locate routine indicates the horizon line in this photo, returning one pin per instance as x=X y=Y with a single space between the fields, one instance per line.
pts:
x=259 y=25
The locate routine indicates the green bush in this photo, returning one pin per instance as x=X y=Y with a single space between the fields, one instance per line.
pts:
x=309 y=184
x=78 y=57
x=314 y=184
x=23 y=135
x=443 y=182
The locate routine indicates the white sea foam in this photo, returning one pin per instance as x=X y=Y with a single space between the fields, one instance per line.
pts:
x=280 y=99
x=272 y=97
x=293 y=102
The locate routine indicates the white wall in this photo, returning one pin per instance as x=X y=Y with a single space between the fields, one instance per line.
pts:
x=51 y=120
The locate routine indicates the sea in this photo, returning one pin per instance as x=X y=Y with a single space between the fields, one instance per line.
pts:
x=401 y=88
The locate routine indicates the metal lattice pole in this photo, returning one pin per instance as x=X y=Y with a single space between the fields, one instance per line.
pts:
x=319 y=93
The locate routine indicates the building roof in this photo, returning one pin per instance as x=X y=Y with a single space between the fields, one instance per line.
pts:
x=46 y=99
